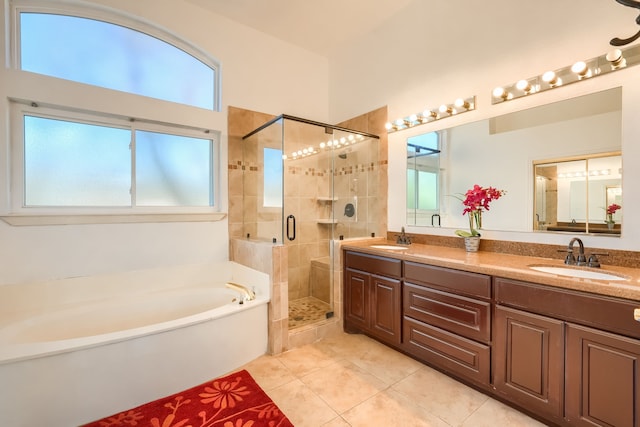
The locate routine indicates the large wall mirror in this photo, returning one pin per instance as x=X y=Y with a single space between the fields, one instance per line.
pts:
x=504 y=151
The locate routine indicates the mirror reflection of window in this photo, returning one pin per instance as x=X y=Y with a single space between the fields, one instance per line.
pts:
x=574 y=195
x=423 y=179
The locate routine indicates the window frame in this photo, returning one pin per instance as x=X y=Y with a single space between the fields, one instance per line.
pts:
x=68 y=100
x=17 y=187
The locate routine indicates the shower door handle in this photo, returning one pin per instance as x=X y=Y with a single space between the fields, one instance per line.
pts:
x=291 y=227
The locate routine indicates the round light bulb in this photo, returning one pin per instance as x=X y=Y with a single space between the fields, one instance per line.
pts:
x=548 y=76
x=443 y=108
x=614 y=55
x=580 y=68
x=523 y=85
x=499 y=92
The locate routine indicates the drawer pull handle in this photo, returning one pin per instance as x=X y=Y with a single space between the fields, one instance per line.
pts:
x=636 y=314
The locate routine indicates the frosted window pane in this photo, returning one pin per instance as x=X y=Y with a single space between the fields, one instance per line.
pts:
x=114 y=57
x=272 y=178
x=428 y=191
x=75 y=164
x=173 y=170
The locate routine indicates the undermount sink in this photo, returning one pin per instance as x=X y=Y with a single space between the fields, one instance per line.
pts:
x=582 y=273
x=392 y=247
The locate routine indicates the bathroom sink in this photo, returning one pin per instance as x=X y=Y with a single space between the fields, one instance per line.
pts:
x=582 y=273
x=392 y=247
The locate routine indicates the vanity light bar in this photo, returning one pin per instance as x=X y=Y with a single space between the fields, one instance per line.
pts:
x=331 y=144
x=614 y=60
x=459 y=106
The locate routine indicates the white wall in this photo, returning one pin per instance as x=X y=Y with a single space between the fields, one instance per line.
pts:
x=258 y=73
x=429 y=54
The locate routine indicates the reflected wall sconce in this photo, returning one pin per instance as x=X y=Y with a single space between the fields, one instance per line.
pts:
x=459 y=106
x=613 y=60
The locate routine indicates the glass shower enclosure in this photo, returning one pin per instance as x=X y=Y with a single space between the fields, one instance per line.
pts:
x=307 y=184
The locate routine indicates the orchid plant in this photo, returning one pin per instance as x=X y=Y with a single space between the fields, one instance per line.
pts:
x=475 y=201
x=611 y=210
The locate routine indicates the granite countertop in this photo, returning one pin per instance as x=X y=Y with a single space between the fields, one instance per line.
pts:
x=509 y=266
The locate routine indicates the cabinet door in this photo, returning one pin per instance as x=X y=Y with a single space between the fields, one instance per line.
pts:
x=385 y=309
x=528 y=360
x=603 y=378
x=356 y=300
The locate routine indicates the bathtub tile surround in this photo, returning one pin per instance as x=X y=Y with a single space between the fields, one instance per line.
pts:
x=156 y=348
x=272 y=260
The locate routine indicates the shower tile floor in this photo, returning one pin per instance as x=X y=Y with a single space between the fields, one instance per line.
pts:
x=307 y=310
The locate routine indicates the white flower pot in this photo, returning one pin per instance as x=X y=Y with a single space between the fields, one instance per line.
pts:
x=471 y=244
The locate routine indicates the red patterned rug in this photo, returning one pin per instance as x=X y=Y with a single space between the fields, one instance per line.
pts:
x=232 y=401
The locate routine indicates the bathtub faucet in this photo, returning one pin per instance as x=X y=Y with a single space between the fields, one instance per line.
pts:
x=247 y=295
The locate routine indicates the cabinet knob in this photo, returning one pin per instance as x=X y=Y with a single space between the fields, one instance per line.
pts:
x=636 y=314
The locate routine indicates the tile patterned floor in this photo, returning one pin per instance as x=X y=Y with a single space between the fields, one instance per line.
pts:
x=307 y=310
x=351 y=380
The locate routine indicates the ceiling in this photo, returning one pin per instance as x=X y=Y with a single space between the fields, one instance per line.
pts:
x=318 y=26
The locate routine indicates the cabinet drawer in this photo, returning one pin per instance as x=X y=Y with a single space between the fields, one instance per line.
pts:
x=603 y=312
x=461 y=315
x=473 y=284
x=448 y=351
x=373 y=264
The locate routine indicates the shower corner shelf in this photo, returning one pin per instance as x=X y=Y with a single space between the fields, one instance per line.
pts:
x=327 y=221
x=326 y=199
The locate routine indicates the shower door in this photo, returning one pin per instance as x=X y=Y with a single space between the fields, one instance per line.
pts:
x=309 y=222
x=305 y=185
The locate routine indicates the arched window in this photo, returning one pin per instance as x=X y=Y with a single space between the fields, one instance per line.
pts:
x=115 y=57
x=75 y=152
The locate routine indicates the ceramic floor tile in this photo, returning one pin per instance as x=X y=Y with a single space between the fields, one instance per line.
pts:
x=301 y=405
x=304 y=360
x=493 y=413
x=385 y=363
x=389 y=408
x=440 y=395
x=269 y=372
x=343 y=385
x=319 y=384
x=346 y=345
x=337 y=422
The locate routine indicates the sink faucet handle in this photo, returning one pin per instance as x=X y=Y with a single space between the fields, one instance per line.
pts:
x=569 y=259
x=594 y=261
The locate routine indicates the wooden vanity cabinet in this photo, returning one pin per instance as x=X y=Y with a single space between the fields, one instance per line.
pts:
x=572 y=357
x=447 y=319
x=602 y=378
x=372 y=296
x=528 y=361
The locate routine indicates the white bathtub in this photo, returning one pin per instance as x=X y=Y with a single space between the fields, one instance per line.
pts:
x=74 y=350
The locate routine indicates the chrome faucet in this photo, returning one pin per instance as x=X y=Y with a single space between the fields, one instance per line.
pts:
x=570 y=259
x=402 y=238
x=247 y=294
